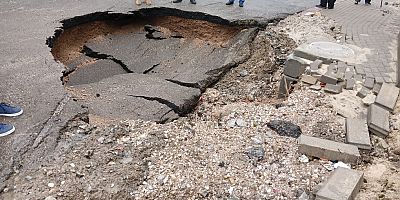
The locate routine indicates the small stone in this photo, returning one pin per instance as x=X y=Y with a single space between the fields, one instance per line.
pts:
x=50 y=198
x=28 y=178
x=315 y=87
x=285 y=128
x=304 y=159
x=240 y=122
x=51 y=185
x=100 y=140
x=243 y=73
x=256 y=153
x=341 y=164
x=231 y=123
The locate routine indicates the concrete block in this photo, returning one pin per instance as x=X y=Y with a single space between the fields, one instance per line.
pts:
x=335 y=89
x=313 y=146
x=328 y=78
x=342 y=64
x=284 y=86
x=369 y=82
x=358 y=78
x=378 y=120
x=376 y=88
x=348 y=75
x=363 y=92
x=314 y=66
x=387 y=96
x=360 y=70
x=332 y=68
x=357 y=133
x=350 y=84
x=343 y=184
x=388 y=80
x=294 y=66
x=309 y=79
x=379 y=80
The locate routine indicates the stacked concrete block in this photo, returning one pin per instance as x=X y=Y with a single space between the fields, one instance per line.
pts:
x=357 y=133
x=387 y=96
x=343 y=184
x=335 y=89
x=328 y=149
x=378 y=120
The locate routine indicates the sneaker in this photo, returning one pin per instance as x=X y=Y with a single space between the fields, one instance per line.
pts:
x=229 y=3
x=240 y=4
x=319 y=6
x=6 y=129
x=9 y=111
x=176 y=1
x=193 y=1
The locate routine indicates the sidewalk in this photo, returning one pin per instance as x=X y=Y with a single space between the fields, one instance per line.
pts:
x=370 y=27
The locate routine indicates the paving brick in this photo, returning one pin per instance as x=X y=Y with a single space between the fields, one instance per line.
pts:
x=357 y=133
x=369 y=82
x=328 y=78
x=316 y=87
x=358 y=78
x=379 y=79
x=378 y=120
x=294 y=66
x=369 y=99
x=343 y=184
x=376 y=88
x=348 y=75
x=309 y=79
x=328 y=149
x=331 y=88
x=387 y=96
x=360 y=70
x=363 y=92
x=350 y=84
x=332 y=68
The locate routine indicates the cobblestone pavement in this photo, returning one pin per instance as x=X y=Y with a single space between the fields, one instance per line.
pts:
x=372 y=27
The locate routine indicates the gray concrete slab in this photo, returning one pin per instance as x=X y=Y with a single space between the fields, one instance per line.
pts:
x=376 y=88
x=378 y=120
x=363 y=92
x=387 y=96
x=350 y=84
x=343 y=184
x=328 y=149
x=328 y=78
x=369 y=82
x=357 y=133
x=314 y=66
x=331 y=88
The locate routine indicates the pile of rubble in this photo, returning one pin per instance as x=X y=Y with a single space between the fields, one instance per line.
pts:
x=332 y=76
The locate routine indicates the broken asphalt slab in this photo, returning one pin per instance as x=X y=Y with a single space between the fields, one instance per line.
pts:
x=31 y=75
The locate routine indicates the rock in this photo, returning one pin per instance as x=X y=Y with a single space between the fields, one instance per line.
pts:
x=285 y=128
x=51 y=185
x=331 y=88
x=240 y=122
x=257 y=153
x=243 y=73
x=315 y=87
x=50 y=198
x=304 y=159
x=231 y=123
x=309 y=79
x=369 y=99
x=341 y=164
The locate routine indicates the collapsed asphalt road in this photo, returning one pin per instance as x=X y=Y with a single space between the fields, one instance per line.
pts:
x=30 y=75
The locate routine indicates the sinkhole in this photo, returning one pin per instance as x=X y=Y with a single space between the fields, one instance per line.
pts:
x=151 y=64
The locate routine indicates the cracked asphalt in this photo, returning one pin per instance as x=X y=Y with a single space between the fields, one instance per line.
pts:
x=30 y=77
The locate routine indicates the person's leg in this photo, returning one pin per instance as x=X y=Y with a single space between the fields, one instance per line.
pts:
x=322 y=4
x=230 y=2
x=241 y=3
x=176 y=1
x=7 y=110
x=368 y=2
x=331 y=4
x=6 y=129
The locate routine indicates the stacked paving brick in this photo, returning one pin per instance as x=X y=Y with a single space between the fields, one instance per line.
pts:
x=379 y=94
